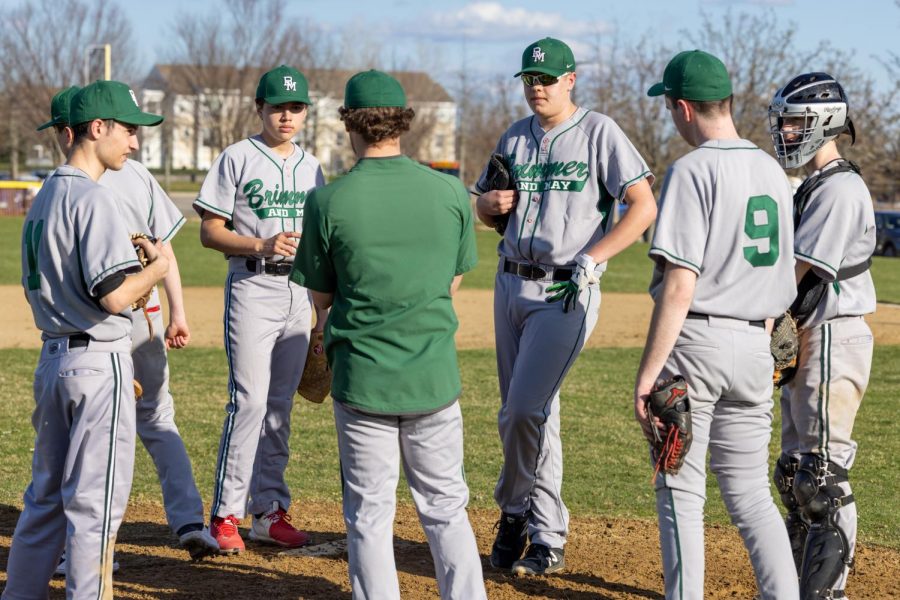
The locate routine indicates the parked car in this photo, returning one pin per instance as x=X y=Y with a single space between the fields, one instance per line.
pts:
x=887 y=232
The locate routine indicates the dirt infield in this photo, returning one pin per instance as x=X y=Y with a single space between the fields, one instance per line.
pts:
x=605 y=560
x=624 y=319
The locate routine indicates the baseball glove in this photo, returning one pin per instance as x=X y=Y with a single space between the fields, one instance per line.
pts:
x=668 y=402
x=315 y=382
x=498 y=178
x=138 y=389
x=784 y=346
x=144 y=260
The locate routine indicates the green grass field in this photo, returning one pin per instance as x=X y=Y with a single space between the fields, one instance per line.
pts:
x=607 y=471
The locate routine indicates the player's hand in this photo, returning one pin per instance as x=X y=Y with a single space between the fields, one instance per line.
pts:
x=641 y=395
x=152 y=248
x=178 y=335
x=497 y=202
x=283 y=244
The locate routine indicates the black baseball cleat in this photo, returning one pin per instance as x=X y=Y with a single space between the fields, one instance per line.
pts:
x=512 y=536
x=540 y=560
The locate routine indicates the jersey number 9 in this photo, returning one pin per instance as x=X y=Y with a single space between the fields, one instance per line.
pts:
x=758 y=206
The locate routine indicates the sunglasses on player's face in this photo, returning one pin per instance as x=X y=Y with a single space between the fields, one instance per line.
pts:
x=540 y=78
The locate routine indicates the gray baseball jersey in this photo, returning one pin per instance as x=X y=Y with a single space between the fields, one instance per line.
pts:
x=837 y=229
x=267 y=322
x=697 y=229
x=147 y=209
x=63 y=300
x=726 y=214
x=568 y=179
x=258 y=191
x=819 y=406
x=73 y=242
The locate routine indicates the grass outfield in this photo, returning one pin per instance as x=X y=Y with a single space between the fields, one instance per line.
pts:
x=628 y=272
x=607 y=472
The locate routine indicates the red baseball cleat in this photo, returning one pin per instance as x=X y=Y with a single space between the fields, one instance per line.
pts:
x=225 y=531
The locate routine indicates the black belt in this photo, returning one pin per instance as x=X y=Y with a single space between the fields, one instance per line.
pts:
x=79 y=340
x=271 y=268
x=534 y=272
x=696 y=315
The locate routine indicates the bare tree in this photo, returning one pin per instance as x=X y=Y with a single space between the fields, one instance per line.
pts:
x=220 y=58
x=43 y=45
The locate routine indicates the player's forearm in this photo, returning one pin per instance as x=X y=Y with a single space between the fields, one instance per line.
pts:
x=172 y=285
x=321 y=317
x=454 y=285
x=669 y=313
x=134 y=286
x=218 y=237
x=641 y=214
x=322 y=300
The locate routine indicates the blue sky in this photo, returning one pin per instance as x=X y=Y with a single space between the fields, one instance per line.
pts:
x=488 y=36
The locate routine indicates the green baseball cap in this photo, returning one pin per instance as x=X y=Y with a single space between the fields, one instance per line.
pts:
x=371 y=89
x=694 y=75
x=109 y=100
x=549 y=56
x=59 y=107
x=282 y=85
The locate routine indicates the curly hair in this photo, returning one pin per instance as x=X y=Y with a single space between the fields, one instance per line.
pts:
x=379 y=123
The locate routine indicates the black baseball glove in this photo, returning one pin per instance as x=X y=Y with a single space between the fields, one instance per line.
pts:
x=499 y=178
x=669 y=403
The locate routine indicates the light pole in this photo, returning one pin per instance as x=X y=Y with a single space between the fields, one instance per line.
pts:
x=107 y=56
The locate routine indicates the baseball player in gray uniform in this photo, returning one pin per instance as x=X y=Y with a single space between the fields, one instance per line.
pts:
x=833 y=243
x=147 y=209
x=252 y=207
x=569 y=165
x=723 y=234
x=80 y=275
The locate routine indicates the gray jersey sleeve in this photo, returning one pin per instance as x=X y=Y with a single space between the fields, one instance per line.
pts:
x=682 y=226
x=219 y=189
x=619 y=165
x=165 y=219
x=144 y=205
x=105 y=246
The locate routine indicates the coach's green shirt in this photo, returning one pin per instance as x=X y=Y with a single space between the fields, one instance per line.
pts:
x=387 y=239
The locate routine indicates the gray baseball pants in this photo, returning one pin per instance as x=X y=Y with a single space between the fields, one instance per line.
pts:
x=431 y=449
x=728 y=367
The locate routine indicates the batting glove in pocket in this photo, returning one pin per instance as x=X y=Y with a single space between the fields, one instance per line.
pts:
x=586 y=273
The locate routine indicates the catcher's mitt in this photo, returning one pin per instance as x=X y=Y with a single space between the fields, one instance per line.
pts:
x=784 y=345
x=144 y=260
x=668 y=402
x=498 y=178
x=315 y=383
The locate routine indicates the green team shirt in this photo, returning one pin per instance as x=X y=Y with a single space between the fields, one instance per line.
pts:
x=387 y=239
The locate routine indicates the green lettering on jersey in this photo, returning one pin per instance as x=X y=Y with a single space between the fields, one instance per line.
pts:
x=562 y=176
x=32 y=243
x=272 y=204
x=757 y=206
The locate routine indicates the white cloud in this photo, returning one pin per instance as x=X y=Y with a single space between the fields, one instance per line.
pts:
x=493 y=22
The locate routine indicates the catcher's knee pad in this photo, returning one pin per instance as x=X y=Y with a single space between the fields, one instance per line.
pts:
x=819 y=496
x=797 y=528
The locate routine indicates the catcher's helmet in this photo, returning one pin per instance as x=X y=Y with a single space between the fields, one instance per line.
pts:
x=809 y=111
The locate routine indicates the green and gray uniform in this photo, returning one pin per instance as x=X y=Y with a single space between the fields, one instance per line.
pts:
x=147 y=209
x=267 y=321
x=387 y=239
x=568 y=180
x=75 y=250
x=819 y=405
x=725 y=214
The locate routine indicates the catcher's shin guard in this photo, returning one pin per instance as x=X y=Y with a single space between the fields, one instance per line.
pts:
x=827 y=551
x=797 y=528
